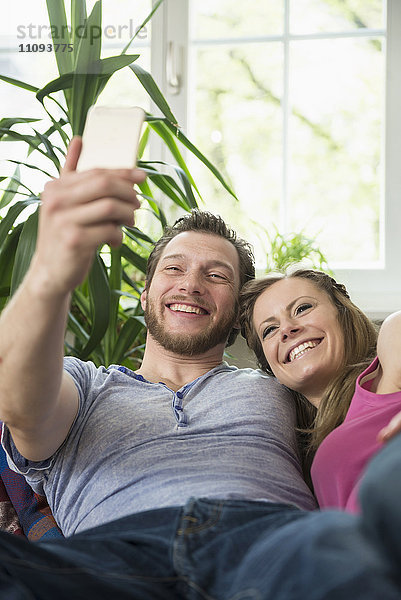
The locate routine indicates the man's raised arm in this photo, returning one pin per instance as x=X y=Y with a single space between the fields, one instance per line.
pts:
x=79 y=212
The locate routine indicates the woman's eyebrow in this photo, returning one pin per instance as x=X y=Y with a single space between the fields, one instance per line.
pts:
x=287 y=308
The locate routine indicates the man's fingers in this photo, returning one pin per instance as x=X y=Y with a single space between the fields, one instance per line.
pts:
x=106 y=210
x=391 y=429
x=89 y=186
x=74 y=150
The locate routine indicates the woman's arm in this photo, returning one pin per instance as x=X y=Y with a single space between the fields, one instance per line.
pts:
x=389 y=354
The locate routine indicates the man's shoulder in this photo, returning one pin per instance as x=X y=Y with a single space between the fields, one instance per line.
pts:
x=245 y=376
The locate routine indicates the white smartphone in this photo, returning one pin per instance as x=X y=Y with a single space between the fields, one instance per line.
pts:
x=110 y=138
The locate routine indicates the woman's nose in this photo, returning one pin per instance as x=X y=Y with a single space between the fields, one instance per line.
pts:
x=289 y=330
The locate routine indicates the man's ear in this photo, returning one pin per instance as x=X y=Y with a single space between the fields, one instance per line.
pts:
x=237 y=324
x=143 y=299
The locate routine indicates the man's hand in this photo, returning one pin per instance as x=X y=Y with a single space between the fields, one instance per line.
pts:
x=79 y=212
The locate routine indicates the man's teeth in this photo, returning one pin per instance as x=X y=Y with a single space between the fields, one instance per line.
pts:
x=188 y=309
x=301 y=350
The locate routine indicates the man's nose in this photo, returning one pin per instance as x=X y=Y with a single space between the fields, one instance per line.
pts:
x=191 y=283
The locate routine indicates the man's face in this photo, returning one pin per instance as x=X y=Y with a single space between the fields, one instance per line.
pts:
x=192 y=302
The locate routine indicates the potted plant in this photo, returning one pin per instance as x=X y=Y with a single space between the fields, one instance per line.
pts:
x=105 y=322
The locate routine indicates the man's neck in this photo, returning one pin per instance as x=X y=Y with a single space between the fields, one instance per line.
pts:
x=176 y=370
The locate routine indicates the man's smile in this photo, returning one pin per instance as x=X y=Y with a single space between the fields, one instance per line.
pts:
x=187 y=308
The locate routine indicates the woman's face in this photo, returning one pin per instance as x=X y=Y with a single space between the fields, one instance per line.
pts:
x=302 y=341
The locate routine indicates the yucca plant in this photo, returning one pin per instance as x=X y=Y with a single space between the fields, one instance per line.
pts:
x=285 y=250
x=105 y=323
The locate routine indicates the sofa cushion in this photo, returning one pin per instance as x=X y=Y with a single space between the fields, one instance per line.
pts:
x=23 y=512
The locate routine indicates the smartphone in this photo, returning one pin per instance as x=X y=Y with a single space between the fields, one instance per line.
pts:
x=111 y=137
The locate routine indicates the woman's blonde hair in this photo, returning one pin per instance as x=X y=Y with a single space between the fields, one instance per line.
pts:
x=360 y=337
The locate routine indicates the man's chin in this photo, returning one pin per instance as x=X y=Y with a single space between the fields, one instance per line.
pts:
x=188 y=345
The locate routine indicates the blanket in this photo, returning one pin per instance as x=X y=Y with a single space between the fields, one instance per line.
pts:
x=22 y=512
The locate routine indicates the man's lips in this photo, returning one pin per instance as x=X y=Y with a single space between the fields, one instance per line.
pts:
x=302 y=348
x=184 y=307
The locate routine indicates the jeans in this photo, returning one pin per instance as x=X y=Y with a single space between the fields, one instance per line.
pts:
x=380 y=499
x=206 y=550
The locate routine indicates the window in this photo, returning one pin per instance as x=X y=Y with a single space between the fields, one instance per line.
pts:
x=23 y=33
x=296 y=102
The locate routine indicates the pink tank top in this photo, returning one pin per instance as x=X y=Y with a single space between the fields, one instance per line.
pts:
x=340 y=460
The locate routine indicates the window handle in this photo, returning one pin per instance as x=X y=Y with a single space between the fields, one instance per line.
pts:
x=174 y=68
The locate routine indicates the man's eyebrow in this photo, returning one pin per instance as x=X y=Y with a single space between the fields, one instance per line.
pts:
x=172 y=257
x=209 y=263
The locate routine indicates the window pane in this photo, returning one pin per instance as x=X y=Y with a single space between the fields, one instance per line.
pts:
x=296 y=127
x=311 y=16
x=238 y=125
x=335 y=145
x=28 y=24
x=225 y=18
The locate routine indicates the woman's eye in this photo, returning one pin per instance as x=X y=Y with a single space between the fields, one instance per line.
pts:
x=302 y=308
x=268 y=331
x=216 y=276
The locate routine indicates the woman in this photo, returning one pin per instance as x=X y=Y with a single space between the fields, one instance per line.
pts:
x=305 y=331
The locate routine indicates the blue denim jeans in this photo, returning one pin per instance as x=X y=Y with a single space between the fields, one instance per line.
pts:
x=380 y=499
x=206 y=550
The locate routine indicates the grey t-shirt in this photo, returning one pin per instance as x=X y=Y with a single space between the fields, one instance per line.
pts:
x=137 y=445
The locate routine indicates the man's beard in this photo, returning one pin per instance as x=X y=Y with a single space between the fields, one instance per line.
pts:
x=189 y=344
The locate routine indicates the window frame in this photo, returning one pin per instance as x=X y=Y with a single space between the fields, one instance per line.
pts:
x=376 y=290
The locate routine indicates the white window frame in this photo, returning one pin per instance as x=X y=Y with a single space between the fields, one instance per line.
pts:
x=375 y=290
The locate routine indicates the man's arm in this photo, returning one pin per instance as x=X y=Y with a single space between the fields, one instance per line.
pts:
x=79 y=212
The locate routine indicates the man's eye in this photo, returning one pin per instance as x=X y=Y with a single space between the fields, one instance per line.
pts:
x=172 y=268
x=216 y=276
x=302 y=308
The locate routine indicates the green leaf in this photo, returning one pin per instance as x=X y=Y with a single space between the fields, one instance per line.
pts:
x=185 y=141
x=154 y=92
x=187 y=195
x=108 y=66
x=25 y=249
x=49 y=147
x=86 y=74
x=169 y=187
x=128 y=334
x=100 y=305
x=133 y=258
x=18 y=83
x=60 y=34
x=9 y=122
x=115 y=276
x=136 y=234
x=7 y=256
x=34 y=167
x=11 y=189
x=13 y=212
x=104 y=68
x=61 y=83
x=78 y=19
x=143 y=141
x=162 y=130
x=143 y=24
x=33 y=141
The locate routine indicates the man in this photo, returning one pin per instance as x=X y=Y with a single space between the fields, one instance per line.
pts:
x=180 y=480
